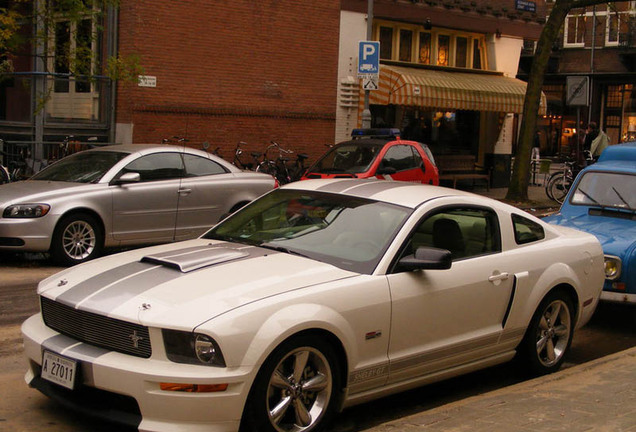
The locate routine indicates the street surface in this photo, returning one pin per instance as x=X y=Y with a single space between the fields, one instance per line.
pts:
x=612 y=329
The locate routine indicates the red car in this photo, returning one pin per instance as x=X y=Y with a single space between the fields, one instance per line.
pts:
x=377 y=153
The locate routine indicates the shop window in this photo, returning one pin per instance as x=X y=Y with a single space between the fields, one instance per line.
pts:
x=425 y=48
x=461 y=52
x=574 y=34
x=406 y=44
x=386 y=43
x=443 y=50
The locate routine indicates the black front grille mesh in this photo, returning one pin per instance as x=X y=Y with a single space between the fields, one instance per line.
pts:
x=96 y=329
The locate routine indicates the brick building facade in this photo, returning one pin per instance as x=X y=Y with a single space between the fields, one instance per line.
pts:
x=215 y=72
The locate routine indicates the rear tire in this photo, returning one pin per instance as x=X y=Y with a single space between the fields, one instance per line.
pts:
x=549 y=334
x=296 y=389
x=77 y=238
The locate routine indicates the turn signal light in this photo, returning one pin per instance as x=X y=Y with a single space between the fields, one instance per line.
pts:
x=193 y=388
x=619 y=286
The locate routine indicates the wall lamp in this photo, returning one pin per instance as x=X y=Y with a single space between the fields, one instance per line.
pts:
x=427 y=24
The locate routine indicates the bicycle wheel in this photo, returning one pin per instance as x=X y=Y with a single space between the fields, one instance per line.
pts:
x=559 y=186
x=547 y=184
x=267 y=167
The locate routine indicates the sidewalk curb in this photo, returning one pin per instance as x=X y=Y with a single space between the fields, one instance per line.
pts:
x=463 y=410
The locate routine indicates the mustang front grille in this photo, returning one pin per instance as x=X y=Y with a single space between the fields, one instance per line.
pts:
x=96 y=329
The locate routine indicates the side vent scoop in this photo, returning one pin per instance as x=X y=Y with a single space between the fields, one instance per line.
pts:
x=189 y=260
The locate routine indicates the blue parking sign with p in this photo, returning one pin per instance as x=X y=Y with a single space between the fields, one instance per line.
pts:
x=368 y=57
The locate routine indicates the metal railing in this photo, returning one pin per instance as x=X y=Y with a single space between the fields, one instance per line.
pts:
x=32 y=156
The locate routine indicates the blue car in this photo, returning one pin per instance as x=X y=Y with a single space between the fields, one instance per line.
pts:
x=602 y=201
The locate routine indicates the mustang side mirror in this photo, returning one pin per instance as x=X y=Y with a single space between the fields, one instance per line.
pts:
x=426 y=258
x=130 y=177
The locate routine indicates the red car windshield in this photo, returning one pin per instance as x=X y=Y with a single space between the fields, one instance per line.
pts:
x=349 y=158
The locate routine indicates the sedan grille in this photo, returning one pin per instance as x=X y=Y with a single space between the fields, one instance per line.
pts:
x=98 y=330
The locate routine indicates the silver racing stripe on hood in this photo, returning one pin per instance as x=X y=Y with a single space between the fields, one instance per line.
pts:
x=110 y=289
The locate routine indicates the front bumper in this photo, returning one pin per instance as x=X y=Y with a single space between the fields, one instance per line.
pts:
x=131 y=385
x=32 y=235
x=618 y=297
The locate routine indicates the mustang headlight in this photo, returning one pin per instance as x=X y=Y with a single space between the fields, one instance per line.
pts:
x=26 y=211
x=192 y=348
x=612 y=267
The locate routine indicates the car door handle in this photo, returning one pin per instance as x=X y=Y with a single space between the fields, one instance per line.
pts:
x=498 y=277
x=185 y=191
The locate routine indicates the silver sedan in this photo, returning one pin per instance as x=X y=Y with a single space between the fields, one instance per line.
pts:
x=119 y=196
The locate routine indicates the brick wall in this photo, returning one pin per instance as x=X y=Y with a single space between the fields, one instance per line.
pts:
x=230 y=71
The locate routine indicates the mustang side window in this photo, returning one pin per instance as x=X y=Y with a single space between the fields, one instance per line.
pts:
x=465 y=232
x=526 y=231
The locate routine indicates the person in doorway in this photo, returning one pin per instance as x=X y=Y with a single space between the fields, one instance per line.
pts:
x=536 y=147
x=599 y=142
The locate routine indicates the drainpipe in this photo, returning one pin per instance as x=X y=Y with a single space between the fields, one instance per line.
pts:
x=112 y=48
x=589 y=111
x=39 y=78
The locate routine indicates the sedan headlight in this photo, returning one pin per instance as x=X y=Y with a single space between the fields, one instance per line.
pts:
x=612 y=267
x=26 y=210
x=192 y=348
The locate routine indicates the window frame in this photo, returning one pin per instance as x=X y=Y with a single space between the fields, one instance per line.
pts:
x=434 y=34
x=567 y=29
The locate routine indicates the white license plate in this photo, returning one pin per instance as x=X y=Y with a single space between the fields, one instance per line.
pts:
x=59 y=369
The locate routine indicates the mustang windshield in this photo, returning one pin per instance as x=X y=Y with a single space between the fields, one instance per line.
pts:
x=613 y=190
x=350 y=233
x=351 y=158
x=82 y=167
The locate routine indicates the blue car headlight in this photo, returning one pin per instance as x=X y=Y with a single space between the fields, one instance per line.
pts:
x=26 y=210
x=612 y=267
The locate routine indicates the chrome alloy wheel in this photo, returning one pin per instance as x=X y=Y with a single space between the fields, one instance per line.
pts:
x=79 y=240
x=553 y=333
x=299 y=390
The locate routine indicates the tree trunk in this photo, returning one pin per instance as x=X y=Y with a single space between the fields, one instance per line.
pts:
x=518 y=190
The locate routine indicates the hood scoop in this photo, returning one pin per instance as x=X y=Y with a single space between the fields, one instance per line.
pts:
x=187 y=260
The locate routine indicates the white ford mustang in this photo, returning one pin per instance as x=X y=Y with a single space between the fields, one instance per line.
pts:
x=317 y=296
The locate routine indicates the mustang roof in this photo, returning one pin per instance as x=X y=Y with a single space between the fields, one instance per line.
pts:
x=396 y=192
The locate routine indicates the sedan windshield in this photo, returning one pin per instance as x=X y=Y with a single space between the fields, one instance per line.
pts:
x=616 y=190
x=351 y=158
x=350 y=233
x=82 y=167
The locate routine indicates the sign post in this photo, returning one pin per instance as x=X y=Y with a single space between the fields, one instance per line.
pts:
x=369 y=72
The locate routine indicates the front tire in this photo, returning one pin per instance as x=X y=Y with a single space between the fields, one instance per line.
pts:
x=549 y=335
x=296 y=389
x=77 y=238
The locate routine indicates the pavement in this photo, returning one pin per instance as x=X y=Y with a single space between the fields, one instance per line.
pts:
x=595 y=396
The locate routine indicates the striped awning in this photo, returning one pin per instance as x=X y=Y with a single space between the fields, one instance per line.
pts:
x=450 y=90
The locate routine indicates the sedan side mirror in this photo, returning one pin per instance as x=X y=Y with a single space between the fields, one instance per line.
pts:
x=129 y=177
x=427 y=258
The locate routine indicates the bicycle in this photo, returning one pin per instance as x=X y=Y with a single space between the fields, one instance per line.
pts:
x=276 y=167
x=559 y=183
x=238 y=151
x=15 y=168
